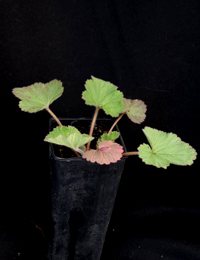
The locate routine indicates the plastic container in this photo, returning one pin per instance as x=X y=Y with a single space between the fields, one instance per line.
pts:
x=83 y=196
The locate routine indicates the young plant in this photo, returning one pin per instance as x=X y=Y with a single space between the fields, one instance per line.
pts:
x=163 y=149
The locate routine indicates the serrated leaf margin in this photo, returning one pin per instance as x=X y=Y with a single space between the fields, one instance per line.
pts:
x=135 y=110
x=72 y=133
x=110 y=100
x=150 y=152
x=28 y=94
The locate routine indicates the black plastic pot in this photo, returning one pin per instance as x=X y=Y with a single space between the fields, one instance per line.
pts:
x=83 y=196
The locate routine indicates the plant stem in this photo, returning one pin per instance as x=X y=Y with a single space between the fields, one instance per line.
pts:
x=59 y=123
x=92 y=126
x=78 y=155
x=130 y=153
x=116 y=122
x=54 y=116
x=80 y=151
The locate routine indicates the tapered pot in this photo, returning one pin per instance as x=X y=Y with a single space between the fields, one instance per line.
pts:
x=83 y=196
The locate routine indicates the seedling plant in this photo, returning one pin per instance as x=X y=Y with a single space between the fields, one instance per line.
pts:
x=163 y=148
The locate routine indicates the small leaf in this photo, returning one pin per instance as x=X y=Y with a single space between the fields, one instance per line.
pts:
x=38 y=96
x=103 y=94
x=165 y=148
x=68 y=136
x=112 y=137
x=135 y=110
x=107 y=152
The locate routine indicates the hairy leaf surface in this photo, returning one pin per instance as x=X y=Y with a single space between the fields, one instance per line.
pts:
x=38 y=96
x=135 y=110
x=68 y=136
x=107 y=152
x=103 y=94
x=165 y=148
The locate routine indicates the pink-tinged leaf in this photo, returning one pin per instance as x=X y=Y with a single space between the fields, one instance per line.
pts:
x=135 y=110
x=107 y=152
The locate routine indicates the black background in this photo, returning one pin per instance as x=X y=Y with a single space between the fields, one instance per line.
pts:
x=151 y=51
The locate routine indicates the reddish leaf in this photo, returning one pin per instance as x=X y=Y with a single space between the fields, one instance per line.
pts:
x=135 y=110
x=107 y=152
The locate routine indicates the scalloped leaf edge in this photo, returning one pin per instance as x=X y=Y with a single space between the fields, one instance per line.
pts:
x=148 y=152
x=106 y=153
x=111 y=137
x=31 y=97
x=104 y=95
x=68 y=136
x=135 y=110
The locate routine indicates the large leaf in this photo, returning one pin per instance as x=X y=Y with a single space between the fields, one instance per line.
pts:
x=135 y=110
x=107 y=152
x=165 y=148
x=38 y=96
x=105 y=137
x=68 y=136
x=103 y=94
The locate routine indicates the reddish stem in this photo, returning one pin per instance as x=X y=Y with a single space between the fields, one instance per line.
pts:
x=114 y=124
x=92 y=126
x=130 y=153
x=54 y=116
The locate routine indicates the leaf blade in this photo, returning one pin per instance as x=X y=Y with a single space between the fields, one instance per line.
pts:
x=111 y=137
x=104 y=95
x=107 y=152
x=68 y=136
x=166 y=149
x=38 y=96
x=135 y=110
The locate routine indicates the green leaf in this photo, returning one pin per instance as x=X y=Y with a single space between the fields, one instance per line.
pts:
x=38 y=96
x=103 y=94
x=111 y=137
x=68 y=136
x=165 y=148
x=135 y=110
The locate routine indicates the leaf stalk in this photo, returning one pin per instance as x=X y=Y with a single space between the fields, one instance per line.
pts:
x=92 y=126
x=53 y=115
x=114 y=124
x=78 y=150
x=130 y=153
